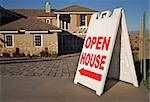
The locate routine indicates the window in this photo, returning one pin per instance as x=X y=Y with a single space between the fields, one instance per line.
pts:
x=82 y=20
x=48 y=21
x=38 y=40
x=9 y=40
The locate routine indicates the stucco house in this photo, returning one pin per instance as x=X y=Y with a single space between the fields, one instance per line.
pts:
x=31 y=31
x=29 y=36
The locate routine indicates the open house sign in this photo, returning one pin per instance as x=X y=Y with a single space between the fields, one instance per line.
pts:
x=93 y=60
x=96 y=55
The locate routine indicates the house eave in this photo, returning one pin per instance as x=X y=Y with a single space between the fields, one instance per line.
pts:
x=36 y=31
x=47 y=31
x=55 y=30
x=1 y=32
x=44 y=17
x=75 y=12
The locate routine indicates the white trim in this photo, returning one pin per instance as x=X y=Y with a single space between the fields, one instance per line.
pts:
x=74 y=12
x=58 y=21
x=8 y=32
x=55 y=30
x=36 y=32
x=12 y=41
x=22 y=30
x=64 y=25
x=86 y=20
x=41 y=40
x=45 y=17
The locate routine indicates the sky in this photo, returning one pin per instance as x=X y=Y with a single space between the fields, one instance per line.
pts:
x=134 y=9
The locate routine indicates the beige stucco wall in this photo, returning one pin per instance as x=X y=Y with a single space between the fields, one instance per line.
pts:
x=73 y=23
x=51 y=41
x=73 y=28
x=25 y=43
x=54 y=20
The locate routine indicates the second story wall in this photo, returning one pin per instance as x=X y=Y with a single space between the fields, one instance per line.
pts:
x=48 y=20
x=78 y=24
x=74 y=19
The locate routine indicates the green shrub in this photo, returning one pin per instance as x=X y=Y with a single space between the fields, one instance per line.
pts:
x=135 y=56
x=22 y=55
x=53 y=54
x=35 y=55
x=147 y=81
x=44 y=53
x=5 y=54
x=19 y=55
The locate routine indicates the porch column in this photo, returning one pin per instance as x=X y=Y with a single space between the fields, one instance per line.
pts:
x=64 y=25
x=58 y=20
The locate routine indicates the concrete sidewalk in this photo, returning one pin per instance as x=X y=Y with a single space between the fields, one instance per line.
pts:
x=55 y=89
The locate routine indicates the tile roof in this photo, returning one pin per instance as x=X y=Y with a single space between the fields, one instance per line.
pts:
x=7 y=16
x=34 y=12
x=75 y=8
x=9 y=12
x=29 y=24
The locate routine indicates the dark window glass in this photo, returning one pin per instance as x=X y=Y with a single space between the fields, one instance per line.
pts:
x=37 y=40
x=9 y=41
x=82 y=20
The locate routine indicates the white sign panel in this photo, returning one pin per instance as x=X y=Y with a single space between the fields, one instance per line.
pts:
x=97 y=51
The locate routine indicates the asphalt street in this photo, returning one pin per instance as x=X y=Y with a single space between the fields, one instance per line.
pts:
x=52 y=81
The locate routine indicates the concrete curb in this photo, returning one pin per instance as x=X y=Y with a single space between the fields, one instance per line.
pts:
x=34 y=59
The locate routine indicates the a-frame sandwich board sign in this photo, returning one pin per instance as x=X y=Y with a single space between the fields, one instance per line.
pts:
x=98 y=48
